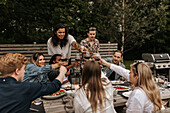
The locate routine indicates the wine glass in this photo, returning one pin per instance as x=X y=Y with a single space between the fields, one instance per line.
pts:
x=87 y=56
x=77 y=57
x=165 y=82
x=97 y=56
x=104 y=71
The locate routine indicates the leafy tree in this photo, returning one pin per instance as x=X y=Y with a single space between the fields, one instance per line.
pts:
x=143 y=23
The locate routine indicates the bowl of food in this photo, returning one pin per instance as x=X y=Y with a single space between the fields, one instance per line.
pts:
x=121 y=88
x=55 y=95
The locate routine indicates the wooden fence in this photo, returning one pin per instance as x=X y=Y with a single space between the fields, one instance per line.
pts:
x=106 y=49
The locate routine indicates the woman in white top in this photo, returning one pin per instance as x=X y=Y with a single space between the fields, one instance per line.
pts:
x=145 y=97
x=96 y=92
x=61 y=42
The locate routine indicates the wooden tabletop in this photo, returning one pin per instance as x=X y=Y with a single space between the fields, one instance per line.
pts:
x=57 y=106
x=54 y=106
x=164 y=111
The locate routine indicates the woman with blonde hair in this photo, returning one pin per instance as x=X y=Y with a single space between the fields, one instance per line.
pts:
x=96 y=93
x=145 y=97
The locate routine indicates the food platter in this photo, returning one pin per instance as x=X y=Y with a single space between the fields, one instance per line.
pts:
x=121 y=88
x=68 y=86
x=127 y=94
x=56 y=95
x=116 y=82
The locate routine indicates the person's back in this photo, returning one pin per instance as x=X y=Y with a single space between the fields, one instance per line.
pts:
x=84 y=105
x=96 y=92
x=139 y=97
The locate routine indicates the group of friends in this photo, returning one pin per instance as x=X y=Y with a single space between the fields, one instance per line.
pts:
x=22 y=83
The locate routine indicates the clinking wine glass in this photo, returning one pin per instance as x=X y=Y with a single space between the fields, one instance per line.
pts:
x=97 y=56
x=87 y=56
x=77 y=57
x=166 y=82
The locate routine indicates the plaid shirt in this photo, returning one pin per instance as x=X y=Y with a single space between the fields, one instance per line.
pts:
x=94 y=48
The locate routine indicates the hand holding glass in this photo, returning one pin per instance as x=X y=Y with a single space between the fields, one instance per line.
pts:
x=97 y=56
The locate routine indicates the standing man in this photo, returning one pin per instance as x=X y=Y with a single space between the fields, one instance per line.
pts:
x=91 y=43
x=116 y=59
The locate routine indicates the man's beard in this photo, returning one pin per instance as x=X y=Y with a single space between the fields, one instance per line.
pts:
x=115 y=62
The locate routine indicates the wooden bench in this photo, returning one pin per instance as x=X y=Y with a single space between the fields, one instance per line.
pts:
x=106 y=50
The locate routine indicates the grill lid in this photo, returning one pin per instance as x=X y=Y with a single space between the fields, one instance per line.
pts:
x=156 y=57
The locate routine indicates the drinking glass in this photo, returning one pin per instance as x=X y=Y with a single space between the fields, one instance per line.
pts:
x=77 y=57
x=166 y=82
x=37 y=101
x=104 y=71
x=87 y=56
x=97 y=56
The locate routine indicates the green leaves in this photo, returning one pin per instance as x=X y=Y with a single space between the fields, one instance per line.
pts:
x=145 y=21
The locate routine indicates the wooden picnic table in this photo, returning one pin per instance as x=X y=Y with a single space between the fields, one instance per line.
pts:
x=57 y=106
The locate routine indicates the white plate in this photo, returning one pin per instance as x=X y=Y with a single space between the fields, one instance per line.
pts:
x=117 y=82
x=68 y=86
x=71 y=92
x=121 y=88
x=127 y=94
x=54 y=97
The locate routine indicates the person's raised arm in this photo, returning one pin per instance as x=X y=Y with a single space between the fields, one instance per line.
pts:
x=72 y=65
x=63 y=71
x=118 y=69
x=105 y=63
x=57 y=65
x=77 y=46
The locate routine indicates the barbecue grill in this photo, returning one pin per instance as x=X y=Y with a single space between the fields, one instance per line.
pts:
x=159 y=63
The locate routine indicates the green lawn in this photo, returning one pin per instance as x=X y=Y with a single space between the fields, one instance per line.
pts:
x=127 y=63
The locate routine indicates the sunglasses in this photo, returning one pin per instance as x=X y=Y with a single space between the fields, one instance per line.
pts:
x=136 y=65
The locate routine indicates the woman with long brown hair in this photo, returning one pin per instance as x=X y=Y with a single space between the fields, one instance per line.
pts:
x=61 y=42
x=145 y=97
x=96 y=92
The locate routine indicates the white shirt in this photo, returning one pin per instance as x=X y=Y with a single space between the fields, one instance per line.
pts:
x=138 y=101
x=121 y=71
x=82 y=105
x=64 y=51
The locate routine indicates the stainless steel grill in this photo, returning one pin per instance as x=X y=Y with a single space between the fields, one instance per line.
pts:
x=159 y=63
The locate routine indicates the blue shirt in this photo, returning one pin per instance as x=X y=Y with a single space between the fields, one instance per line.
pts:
x=34 y=73
x=16 y=97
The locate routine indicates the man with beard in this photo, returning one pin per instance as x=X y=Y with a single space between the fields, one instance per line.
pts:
x=91 y=43
x=116 y=59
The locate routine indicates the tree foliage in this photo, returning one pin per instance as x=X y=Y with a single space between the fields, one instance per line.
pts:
x=145 y=21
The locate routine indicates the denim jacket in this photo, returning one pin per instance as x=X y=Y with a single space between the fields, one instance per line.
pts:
x=109 y=71
x=34 y=73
